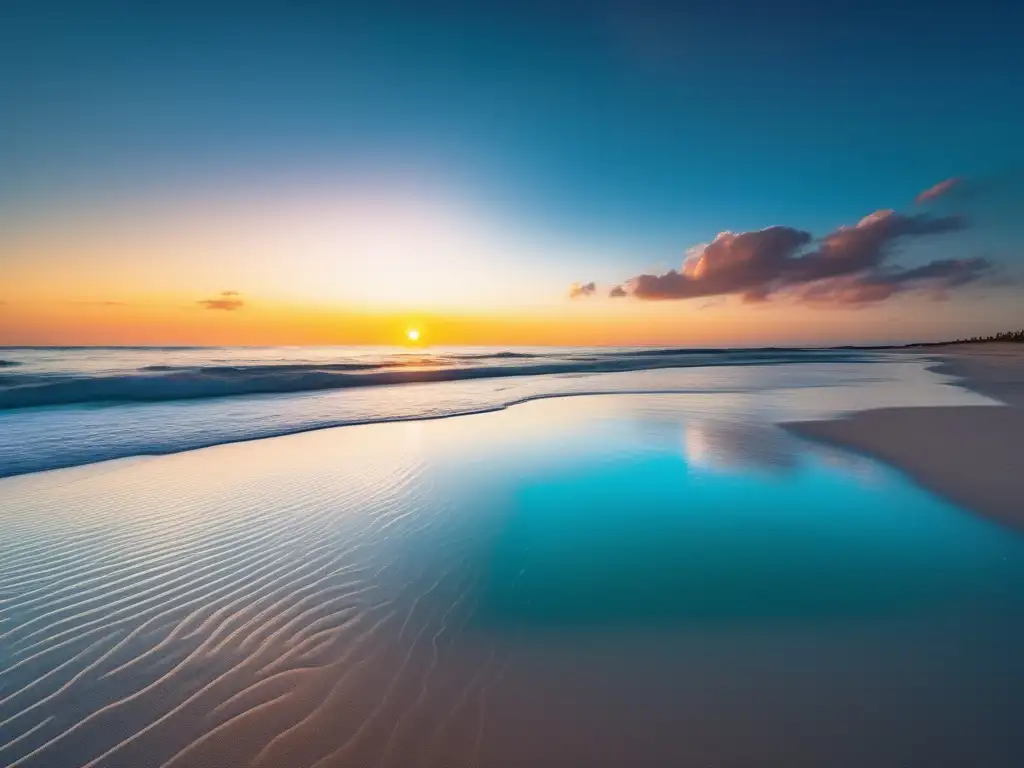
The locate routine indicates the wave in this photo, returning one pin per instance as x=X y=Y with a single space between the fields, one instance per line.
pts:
x=112 y=348
x=228 y=370
x=497 y=356
x=167 y=383
x=8 y=363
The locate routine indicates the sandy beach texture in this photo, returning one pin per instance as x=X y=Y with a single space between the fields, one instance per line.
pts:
x=974 y=455
x=638 y=580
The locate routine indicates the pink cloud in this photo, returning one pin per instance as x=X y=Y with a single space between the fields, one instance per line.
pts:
x=937 y=191
x=850 y=265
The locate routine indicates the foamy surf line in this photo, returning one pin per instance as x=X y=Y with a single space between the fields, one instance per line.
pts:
x=168 y=382
x=239 y=395
x=110 y=453
x=39 y=439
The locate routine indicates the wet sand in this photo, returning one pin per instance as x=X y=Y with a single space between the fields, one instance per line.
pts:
x=608 y=581
x=974 y=455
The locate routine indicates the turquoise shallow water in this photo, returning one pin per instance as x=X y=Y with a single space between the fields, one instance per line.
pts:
x=617 y=580
x=643 y=518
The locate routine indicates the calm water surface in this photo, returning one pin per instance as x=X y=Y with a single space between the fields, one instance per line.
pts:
x=619 y=580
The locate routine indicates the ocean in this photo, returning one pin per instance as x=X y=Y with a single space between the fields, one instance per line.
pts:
x=66 y=406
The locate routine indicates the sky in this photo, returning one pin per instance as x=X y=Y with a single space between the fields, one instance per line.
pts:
x=604 y=172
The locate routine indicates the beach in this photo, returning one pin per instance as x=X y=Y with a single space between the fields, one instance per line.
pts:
x=974 y=455
x=593 y=574
x=511 y=385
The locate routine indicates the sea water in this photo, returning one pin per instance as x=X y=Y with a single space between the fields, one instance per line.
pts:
x=61 y=407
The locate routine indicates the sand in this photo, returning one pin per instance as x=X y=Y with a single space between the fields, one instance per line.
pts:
x=974 y=455
x=395 y=595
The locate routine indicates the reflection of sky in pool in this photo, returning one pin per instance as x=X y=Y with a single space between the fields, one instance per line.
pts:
x=639 y=515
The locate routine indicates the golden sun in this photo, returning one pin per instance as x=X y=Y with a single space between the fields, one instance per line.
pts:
x=413 y=334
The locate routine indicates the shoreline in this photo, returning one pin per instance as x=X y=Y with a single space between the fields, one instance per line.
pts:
x=86 y=436
x=959 y=360
x=972 y=455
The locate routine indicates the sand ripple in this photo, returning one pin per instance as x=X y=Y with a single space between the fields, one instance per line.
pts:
x=257 y=616
x=577 y=583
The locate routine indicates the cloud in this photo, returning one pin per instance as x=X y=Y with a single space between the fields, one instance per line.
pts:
x=714 y=302
x=757 y=265
x=617 y=292
x=936 y=277
x=99 y=303
x=227 y=301
x=938 y=190
x=731 y=263
x=578 y=291
x=991 y=201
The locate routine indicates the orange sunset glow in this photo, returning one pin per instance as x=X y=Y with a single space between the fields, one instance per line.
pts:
x=334 y=268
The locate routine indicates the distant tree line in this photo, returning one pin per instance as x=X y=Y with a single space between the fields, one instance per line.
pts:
x=1015 y=337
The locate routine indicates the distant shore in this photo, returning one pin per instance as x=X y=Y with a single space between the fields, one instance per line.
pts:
x=973 y=455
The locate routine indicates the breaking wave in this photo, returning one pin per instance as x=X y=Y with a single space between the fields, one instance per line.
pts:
x=167 y=381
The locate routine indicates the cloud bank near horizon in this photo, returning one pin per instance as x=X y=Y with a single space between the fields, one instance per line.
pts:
x=852 y=265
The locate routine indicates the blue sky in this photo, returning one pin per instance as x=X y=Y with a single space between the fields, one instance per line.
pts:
x=652 y=125
x=644 y=111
